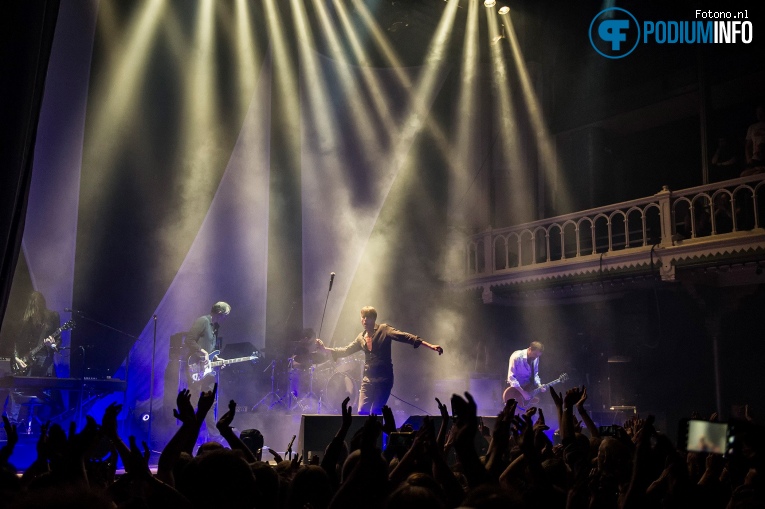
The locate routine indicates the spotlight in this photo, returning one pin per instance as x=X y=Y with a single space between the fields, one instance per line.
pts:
x=145 y=417
x=490 y=3
x=504 y=10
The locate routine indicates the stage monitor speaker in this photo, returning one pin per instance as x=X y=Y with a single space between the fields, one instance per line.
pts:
x=317 y=431
x=417 y=420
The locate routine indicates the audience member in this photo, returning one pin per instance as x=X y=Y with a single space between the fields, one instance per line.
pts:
x=622 y=467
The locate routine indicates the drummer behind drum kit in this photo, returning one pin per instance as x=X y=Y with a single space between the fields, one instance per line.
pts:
x=316 y=384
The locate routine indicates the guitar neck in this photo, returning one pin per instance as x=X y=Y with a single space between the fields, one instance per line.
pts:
x=39 y=347
x=214 y=364
x=545 y=386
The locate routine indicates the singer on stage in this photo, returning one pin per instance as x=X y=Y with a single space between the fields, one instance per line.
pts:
x=375 y=341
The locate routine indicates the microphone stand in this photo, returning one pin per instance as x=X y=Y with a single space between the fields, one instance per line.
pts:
x=331 y=280
x=151 y=386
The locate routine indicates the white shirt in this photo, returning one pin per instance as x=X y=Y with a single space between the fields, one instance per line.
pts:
x=519 y=372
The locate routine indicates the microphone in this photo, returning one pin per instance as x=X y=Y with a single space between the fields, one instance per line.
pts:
x=331 y=280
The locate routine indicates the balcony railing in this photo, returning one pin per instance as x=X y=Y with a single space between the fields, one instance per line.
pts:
x=700 y=215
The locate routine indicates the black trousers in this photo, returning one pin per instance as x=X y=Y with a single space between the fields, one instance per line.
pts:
x=374 y=395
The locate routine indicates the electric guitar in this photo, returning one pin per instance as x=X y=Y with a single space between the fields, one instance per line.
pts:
x=514 y=393
x=198 y=369
x=30 y=357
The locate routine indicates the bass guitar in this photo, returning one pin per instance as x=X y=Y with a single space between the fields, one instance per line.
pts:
x=531 y=390
x=23 y=367
x=198 y=369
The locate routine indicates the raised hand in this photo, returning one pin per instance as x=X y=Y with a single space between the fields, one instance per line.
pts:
x=527 y=442
x=138 y=462
x=540 y=424
x=442 y=409
x=557 y=398
x=81 y=442
x=389 y=422
x=277 y=457
x=441 y=437
x=582 y=399
x=42 y=442
x=12 y=439
x=185 y=411
x=511 y=405
x=451 y=435
x=109 y=421
x=572 y=396
x=465 y=419
x=371 y=431
x=295 y=463
x=347 y=415
x=206 y=400
x=56 y=442
x=224 y=422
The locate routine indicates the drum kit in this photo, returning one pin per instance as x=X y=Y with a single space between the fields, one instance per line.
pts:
x=314 y=383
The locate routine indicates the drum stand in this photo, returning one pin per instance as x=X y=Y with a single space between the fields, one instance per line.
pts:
x=310 y=395
x=273 y=396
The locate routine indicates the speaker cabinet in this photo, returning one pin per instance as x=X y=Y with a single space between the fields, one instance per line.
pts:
x=417 y=420
x=317 y=431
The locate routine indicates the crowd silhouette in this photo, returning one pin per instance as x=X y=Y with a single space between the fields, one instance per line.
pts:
x=517 y=466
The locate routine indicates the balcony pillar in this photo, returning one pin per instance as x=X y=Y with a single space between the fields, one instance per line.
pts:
x=488 y=252
x=665 y=211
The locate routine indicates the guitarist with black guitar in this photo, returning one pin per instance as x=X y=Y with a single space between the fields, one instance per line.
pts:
x=36 y=343
x=34 y=348
x=202 y=341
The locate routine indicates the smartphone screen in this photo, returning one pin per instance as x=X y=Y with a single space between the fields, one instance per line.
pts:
x=705 y=436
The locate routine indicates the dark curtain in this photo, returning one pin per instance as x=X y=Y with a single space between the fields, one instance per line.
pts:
x=26 y=38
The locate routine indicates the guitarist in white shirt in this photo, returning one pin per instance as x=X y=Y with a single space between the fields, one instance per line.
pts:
x=201 y=340
x=523 y=370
